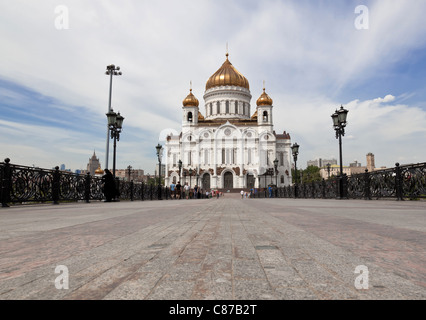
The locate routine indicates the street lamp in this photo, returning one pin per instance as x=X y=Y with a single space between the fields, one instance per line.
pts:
x=328 y=169
x=129 y=171
x=276 y=172
x=339 y=124
x=159 y=148
x=180 y=169
x=115 y=125
x=111 y=70
x=295 y=151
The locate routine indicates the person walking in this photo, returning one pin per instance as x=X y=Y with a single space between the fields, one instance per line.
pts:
x=178 y=190
x=186 y=188
x=242 y=194
x=195 y=192
x=109 y=185
x=173 y=190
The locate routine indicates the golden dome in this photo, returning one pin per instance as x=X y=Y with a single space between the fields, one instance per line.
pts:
x=200 y=116
x=227 y=75
x=254 y=116
x=264 y=99
x=190 y=100
x=99 y=170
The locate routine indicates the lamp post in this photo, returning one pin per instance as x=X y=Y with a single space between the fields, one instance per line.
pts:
x=276 y=172
x=159 y=148
x=111 y=70
x=115 y=125
x=180 y=168
x=129 y=171
x=339 y=124
x=198 y=186
x=295 y=151
x=328 y=170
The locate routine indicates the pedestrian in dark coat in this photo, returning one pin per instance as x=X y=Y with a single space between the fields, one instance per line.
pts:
x=109 y=185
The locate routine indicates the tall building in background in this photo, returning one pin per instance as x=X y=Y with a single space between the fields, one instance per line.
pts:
x=321 y=162
x=370 y=162
x=93 y=164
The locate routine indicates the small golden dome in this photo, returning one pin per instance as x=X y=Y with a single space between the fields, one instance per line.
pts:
x=227 y=75
x=254 y=116
x=99 y=170
x=200 y=116
x=190 y=100
x=264 y=99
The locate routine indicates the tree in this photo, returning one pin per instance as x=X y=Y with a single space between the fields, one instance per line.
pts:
x=308 y=175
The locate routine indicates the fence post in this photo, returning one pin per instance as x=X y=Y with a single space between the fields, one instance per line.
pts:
x=6 y=183
x=117 y=189
x=131 y=190
x=87 y=181
x=55 y=185
x=344 y=189
x=398 y=182
x=367 y=195
x=143 y=191
x=151 y=191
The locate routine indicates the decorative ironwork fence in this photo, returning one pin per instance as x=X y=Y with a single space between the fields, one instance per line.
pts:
x=401 y=182
x=20 y=184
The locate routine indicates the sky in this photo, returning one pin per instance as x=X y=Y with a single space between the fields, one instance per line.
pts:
x=314 y=56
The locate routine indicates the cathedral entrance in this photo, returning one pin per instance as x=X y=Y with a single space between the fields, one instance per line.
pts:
x=250 y=181
x=205 y=181
x=228 y=180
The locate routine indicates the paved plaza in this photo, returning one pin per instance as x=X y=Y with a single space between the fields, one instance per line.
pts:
x=227 y=249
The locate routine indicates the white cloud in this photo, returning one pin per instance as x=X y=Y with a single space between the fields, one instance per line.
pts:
x=388 y=98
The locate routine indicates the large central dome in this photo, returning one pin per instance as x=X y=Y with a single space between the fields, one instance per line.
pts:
x=227 y=75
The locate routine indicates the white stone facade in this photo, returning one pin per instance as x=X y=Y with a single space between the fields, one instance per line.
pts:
x=231 y=147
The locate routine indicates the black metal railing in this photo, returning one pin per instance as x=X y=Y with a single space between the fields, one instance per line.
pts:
x=21 y=184
x=401 y=182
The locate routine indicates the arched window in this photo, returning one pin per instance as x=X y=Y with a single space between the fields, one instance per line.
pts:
x=189 y=116
x=211 y=108
x=282 y=179
x=218 y=107
x=236 y=107
x=265 y=116
x=227 y=107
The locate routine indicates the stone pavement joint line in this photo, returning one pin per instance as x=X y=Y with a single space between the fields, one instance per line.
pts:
x=225 y=249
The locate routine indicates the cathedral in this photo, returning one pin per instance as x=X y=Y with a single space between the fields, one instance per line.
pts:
x=229 y=147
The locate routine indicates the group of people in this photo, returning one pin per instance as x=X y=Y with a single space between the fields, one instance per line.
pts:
x=252 y=193
x=194 y=193
x=176 y=190
x=245 y=194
